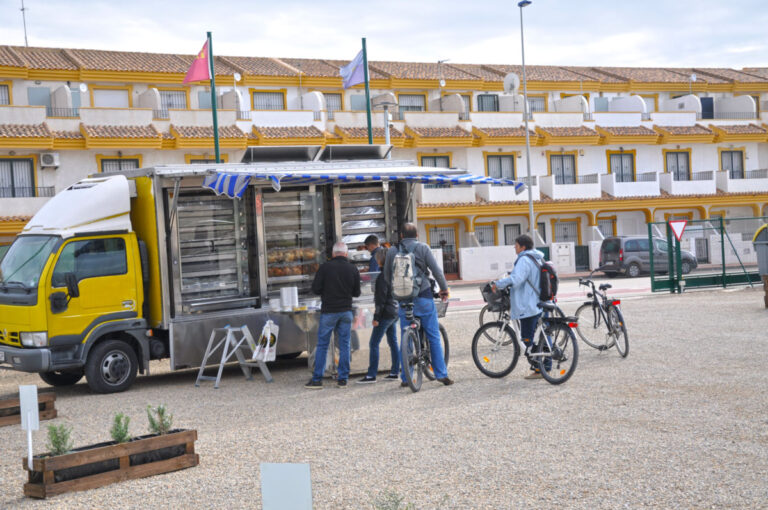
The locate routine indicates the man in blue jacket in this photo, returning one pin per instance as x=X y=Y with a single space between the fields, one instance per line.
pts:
x=524 y=296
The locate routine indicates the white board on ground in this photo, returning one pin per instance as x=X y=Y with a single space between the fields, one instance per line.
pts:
x=30 y=415
x=286 y=486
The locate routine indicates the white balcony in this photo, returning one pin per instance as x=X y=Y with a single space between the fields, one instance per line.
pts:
x=24 y=206
x=492 y=193
x=587 y=186
x=755 y=181
x=115 y=116
x=284 y=118
x=700 y=183
x=22 y=114
x=445 y=195
x=612 y=119
x=647 y=185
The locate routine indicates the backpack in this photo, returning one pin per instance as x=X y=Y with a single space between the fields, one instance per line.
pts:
x=406 y=280
x=548 y=280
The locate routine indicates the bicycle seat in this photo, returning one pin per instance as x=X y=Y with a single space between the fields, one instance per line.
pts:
x=605 y=286
x=547 y=307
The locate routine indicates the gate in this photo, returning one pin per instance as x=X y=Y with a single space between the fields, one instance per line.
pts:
x=716 y=252
x=445 y=239
x=582 y=258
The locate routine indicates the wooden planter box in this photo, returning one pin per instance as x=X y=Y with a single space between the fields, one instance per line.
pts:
x=10 y=408
x=102 y=464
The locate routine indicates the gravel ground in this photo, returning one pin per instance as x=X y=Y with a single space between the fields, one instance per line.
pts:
x=680 y=423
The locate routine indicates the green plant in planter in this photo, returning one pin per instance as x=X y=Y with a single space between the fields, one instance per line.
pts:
x=59 y=439
x=160 y=421
x=119 y=430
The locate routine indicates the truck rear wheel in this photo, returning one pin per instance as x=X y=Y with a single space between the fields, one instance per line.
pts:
x=111 y=367
x=62 y=378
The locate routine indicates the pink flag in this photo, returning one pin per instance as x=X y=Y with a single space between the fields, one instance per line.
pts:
x=199 y=70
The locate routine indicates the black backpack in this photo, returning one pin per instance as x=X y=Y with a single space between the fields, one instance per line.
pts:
x=548 y=280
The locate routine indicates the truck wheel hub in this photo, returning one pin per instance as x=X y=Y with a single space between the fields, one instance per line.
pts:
x=114 y=367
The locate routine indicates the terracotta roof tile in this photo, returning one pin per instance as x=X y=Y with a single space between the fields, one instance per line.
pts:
x=569 y=131
x=4 y=219
x=129 y=61
x=486 y=72
x=696 y=129
x=451 y=132
x=360 y=132
x=539 y=73
x=167 y=135
x=504 y=132
x=313 y=67
x=762 y=72
x=647 y=74
x=207 y=131
x=730 y=75
x=289 y=132
x=629 y=130
x=742 y=129
x=24 y=130
x=261 y=66
x=594 y=74
x=70 y=135
x=422 y=71
x=45 y=58
x=373 y=73
x=9 y=58
x=120 y=131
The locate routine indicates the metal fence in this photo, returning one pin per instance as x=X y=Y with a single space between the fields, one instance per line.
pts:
x=160 y=114
x=715 y=252
x=47 y=191
x=62 y=112
x=647 y=177
x=588 y=179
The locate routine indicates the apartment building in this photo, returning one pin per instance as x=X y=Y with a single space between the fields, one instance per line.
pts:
x=612 y=148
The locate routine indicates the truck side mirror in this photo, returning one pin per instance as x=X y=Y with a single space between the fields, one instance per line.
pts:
x=59 y=302
x=72 y=288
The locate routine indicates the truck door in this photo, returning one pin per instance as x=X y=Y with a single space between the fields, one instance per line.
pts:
x=107 y=282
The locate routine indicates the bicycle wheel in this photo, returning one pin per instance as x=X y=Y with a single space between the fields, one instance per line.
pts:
x=428 y=370
x=410 y=355
x=591 y=327
x=495 y=349
x=486 y=315
x=558 y=363
x=620 y=336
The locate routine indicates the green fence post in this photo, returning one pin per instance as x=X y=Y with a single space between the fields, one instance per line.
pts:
x=722 y=248
x=650 y=256
x=670 y=259
x=678 y=264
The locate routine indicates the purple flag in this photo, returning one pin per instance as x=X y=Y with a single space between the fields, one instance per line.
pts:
x=353 y=73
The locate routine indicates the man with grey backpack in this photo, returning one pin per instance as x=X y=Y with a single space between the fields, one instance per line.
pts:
x=406 y=273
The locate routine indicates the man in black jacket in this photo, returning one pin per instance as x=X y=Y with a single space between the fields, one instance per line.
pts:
x=337 y=282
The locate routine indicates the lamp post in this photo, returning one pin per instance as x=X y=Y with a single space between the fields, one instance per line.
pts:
x=531 y=224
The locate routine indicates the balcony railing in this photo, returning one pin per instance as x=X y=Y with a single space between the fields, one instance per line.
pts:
x=727 y=115
x=647 y=177
x=695 y=176
x=160 y=114
x=645 y=116
x=243 y=115
x=529 y=182
x=463 y=115
x=588 y=179
x=317 y=115
x=756 y=174
x=588 y=116
x=62 y=112
x=536 y=108
x=21 y=192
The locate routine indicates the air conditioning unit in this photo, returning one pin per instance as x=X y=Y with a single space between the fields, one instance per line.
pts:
x=48 y=159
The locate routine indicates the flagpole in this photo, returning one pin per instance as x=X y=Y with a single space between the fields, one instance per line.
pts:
x=367 y=94
x=213 y=99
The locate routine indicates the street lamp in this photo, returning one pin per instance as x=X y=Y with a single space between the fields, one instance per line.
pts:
x=521 y=4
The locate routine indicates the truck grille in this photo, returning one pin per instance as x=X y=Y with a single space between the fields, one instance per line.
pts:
x=10 y=337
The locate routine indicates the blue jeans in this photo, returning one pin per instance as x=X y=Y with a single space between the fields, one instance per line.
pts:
x=341 y=322
x=527 y=330
x=424 y=309
x=385 y=326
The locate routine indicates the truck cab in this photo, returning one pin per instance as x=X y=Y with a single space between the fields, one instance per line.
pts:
x=72 y=291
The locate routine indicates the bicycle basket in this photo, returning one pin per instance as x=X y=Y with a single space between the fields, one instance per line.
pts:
x=497 y=301
x=441 y=306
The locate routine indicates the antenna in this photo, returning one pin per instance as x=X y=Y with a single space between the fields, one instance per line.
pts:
x=24 y=18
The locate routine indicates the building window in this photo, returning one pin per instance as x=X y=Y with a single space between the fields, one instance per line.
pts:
x=436 y=162
x=117 y=165
x=268 y=101
x=563 y=167
x=678 y=164
x=332 y=104
x=623 y=167
x=173 y=99
x=501 y=166
x=5 y=94
x=411 y=103
x=537 y=104
x=607 y=227
x=486 y=235
x=567 y=232
x=733 y=163
x=17 y=178
x=511 y=232
x=487 y=103
x=111 y=98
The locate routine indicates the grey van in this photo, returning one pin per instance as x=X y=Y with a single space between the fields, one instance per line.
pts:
x=631 y=256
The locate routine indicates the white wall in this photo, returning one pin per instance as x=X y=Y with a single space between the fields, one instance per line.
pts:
x=627 y=104
x=558 y=119
x=511 y=102
x=570 y=104
x=494 y=119
x=22 y=114
x=563 y=256
x=486 y=263
x=611 y=119
x=431 y=119
x=116 y=116
x=736 y=104
x=280 y=118
x=687 y=103
x=682 y=118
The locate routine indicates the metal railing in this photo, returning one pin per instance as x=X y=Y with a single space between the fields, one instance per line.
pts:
x=588 y=179
x=330 y=114
x=243 y=115
x=535 y=108
x=28 y=192
x=647 y=177
x=695 y=176
x=525 y=180
x=588 y=116
x=735 y=115
x=761 y=173
x=463 y=115
x=62 y=112
x=645 y=116
x=160 y=114
x=317 y=115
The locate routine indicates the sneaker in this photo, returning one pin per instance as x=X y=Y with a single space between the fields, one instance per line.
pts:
x=366 y=380
x=447 y=381
x=341 y=383
x=535 y=374
x=392 y=377
x=403 y=384
x=314 y=385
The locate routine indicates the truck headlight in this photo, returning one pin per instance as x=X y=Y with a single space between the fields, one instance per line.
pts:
x=34 y=338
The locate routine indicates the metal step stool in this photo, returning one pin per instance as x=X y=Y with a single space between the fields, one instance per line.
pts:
x=232 y=345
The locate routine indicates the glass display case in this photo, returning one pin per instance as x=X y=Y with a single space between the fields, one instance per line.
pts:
x=366 y=210
x=294 y=231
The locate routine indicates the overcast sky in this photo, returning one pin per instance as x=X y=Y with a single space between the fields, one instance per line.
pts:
x=681 y=33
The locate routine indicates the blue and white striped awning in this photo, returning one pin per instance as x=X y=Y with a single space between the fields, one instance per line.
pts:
x=234 y=184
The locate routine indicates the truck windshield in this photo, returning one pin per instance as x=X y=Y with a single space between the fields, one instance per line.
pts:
x=22 y=264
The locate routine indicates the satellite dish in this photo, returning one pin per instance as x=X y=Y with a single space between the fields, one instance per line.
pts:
x=442 y=82
x=693 y=76
x=511 y=83
x=83 y=87
x=237 y=76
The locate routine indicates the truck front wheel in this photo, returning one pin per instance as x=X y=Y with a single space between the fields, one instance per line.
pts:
x=62 y=378
x=111 y=367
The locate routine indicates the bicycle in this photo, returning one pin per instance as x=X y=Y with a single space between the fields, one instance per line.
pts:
x=600 y=321
x=495 y=346
x=415 y=353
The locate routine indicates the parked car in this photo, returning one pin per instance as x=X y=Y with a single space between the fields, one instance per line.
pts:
x=630 y=255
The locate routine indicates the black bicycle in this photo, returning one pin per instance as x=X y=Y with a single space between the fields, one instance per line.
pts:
x=415 y=353
x=496 y=349
x=600 y=321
